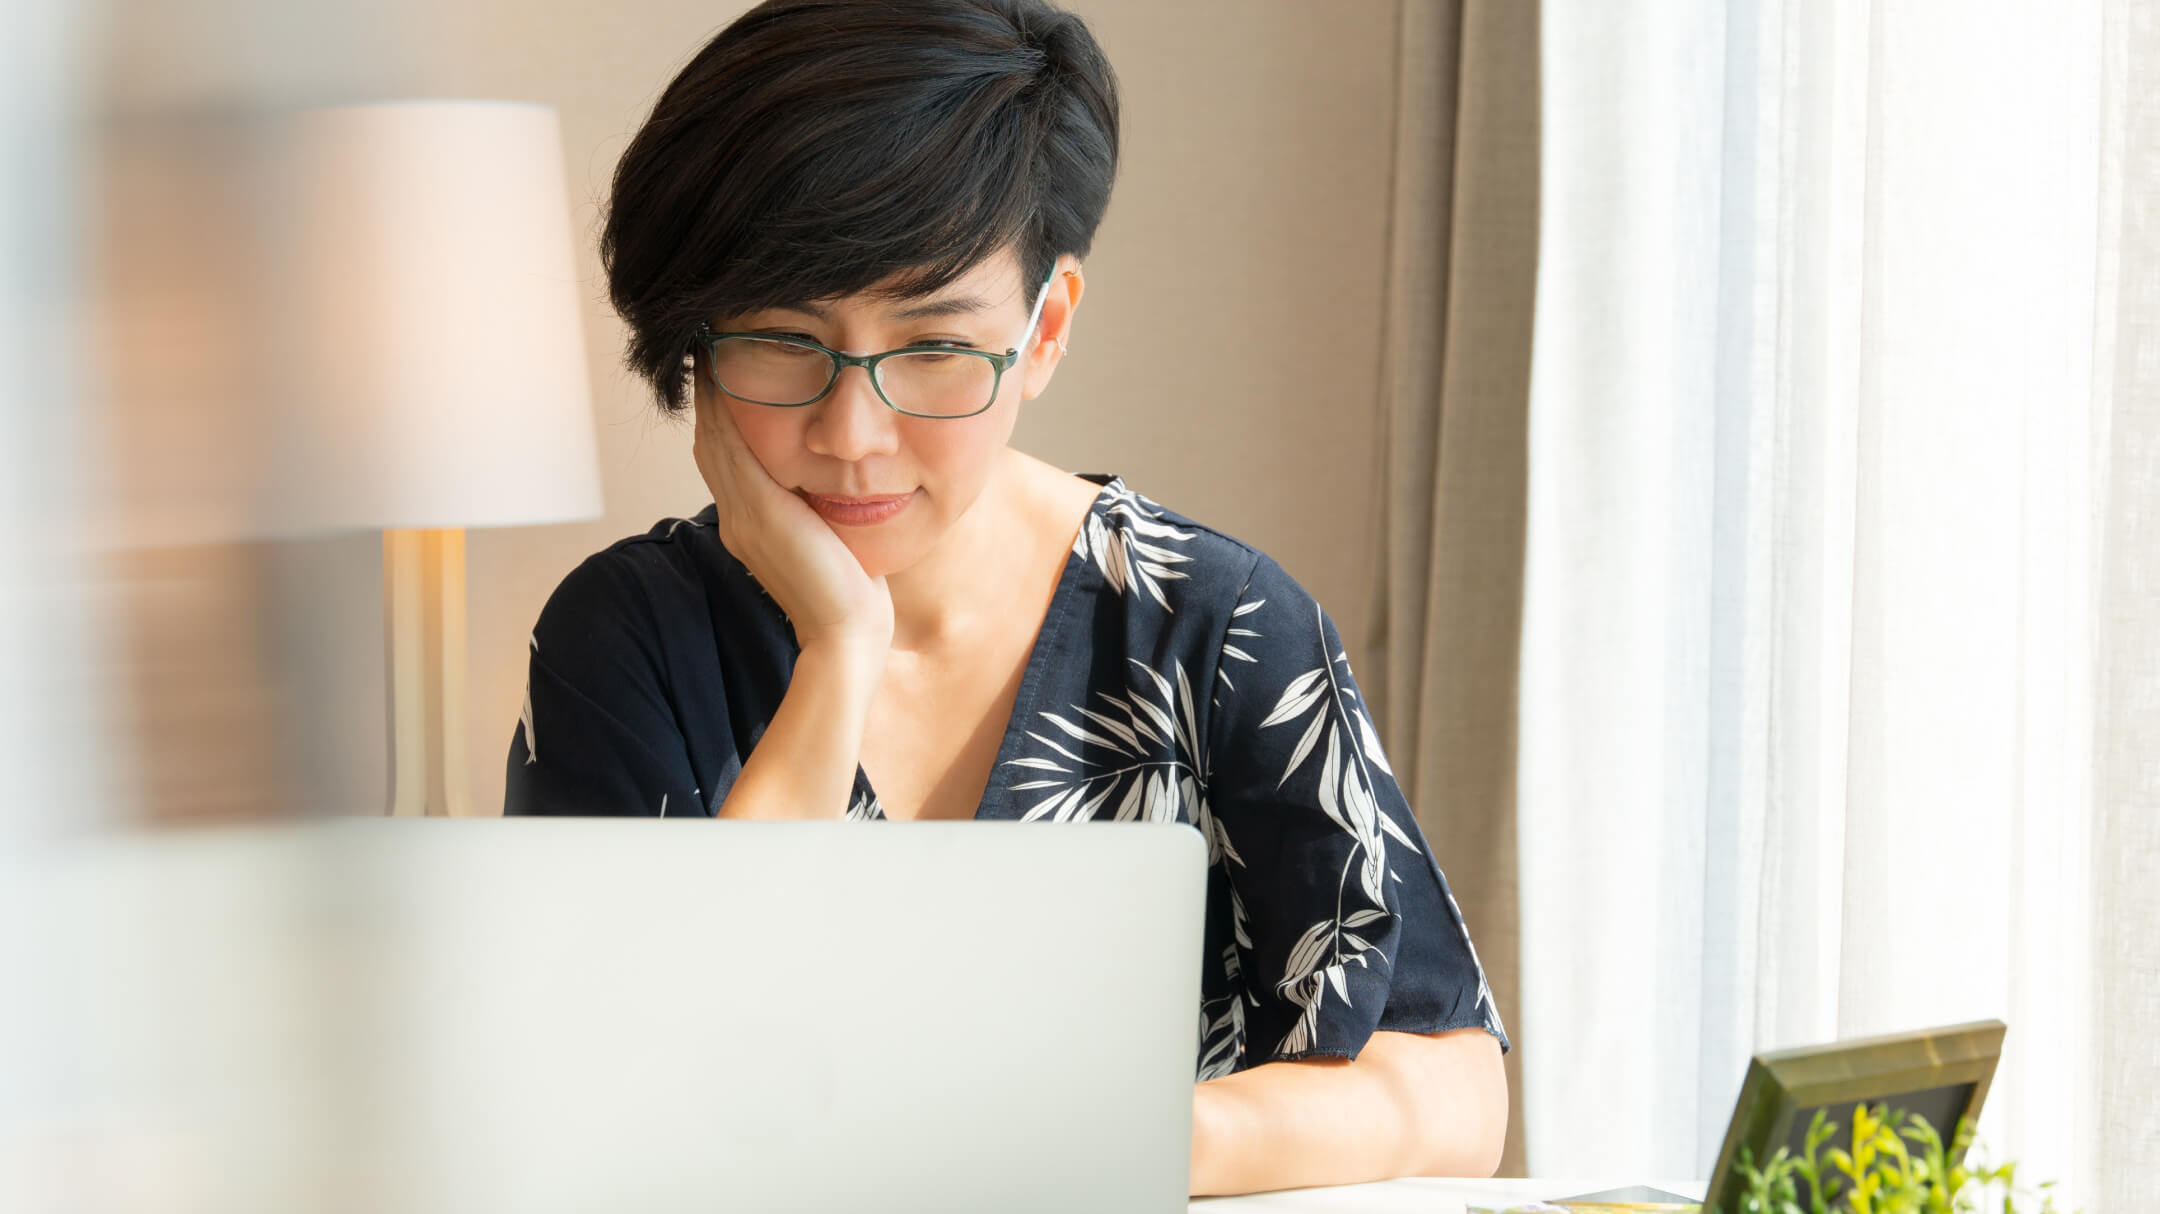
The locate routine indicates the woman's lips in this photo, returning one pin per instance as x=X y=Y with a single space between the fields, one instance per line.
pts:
x=857 y=512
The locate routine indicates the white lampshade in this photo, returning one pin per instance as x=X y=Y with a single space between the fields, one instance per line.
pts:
x=427 y=334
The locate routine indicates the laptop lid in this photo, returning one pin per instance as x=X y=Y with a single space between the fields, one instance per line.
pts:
x=579 y=1014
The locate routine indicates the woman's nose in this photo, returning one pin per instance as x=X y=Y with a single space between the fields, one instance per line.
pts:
x=852 y=420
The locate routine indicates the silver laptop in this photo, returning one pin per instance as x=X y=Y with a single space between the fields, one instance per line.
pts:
x=545 y=1014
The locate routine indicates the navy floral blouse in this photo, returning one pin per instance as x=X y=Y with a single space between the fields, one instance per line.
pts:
x=1180 y=675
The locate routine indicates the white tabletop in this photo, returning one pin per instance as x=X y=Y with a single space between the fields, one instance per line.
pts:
x=1427 y=1195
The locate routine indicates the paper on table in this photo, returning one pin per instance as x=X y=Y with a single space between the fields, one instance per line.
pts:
x=1634 y=1197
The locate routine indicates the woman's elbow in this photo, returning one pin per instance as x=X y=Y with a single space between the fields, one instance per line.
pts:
x=1463 y=1126
x=1492 y=1142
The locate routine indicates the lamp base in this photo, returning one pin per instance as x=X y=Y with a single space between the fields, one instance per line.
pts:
x=424 y=627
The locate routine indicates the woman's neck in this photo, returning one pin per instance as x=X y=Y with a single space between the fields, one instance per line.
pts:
x=967 y=580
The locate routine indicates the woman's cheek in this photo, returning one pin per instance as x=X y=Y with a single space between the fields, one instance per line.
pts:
x=958 y=452
x=771 y=436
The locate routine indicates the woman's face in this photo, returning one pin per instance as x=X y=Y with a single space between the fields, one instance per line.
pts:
x=850 y=445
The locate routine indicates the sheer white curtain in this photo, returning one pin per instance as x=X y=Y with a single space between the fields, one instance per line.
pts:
x=1819 y=427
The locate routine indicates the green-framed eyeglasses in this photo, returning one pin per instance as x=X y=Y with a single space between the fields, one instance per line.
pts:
x=789 y=372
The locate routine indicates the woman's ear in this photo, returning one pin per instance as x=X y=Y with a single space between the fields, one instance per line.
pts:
x=1053 y=336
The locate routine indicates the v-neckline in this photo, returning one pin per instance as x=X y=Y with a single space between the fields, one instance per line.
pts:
x=1030 y=676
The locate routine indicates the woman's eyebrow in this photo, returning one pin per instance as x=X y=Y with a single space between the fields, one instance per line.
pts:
x=944 y=307
x=958 y=306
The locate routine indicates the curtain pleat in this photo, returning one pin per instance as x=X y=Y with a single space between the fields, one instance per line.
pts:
x=1461 y=284
x=2125 y=1144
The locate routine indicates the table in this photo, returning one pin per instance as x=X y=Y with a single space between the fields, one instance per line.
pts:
x=1425 y=1195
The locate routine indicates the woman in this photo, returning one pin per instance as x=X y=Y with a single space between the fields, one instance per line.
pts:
x=851 y=234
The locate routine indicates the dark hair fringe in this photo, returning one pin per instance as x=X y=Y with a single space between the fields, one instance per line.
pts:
x=816 y=148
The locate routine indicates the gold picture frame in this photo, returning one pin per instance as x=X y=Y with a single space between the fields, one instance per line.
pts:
x=1942 y=1074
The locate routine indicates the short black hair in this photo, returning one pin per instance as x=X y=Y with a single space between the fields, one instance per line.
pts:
x=815 y=148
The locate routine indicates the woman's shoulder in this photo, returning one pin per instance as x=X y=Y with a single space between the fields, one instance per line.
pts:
x=1155 y=554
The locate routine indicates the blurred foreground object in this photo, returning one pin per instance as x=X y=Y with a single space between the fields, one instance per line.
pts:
x=409 y=1016
x=434 y=368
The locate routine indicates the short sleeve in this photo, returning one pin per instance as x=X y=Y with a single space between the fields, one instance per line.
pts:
x=1343 y=921
x=598 y=733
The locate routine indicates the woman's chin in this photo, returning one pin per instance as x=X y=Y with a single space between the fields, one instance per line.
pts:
x=881 y=559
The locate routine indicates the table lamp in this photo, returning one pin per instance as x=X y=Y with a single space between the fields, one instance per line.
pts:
x=430 y=340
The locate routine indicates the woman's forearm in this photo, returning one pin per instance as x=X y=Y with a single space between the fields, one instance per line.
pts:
x=803 y=765
x=1410 y=1105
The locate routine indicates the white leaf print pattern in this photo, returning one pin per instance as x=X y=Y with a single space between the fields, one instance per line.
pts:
x=1222 y=1037
x=1222 y=1033
x=1109 y=758
x=525 y=721
x=1370 y=739
x=1123 y=552
x=1142 y=755
x=1232 y=651
x=1318 y=961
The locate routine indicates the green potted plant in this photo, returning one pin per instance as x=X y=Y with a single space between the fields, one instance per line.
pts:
x=1898 y=1165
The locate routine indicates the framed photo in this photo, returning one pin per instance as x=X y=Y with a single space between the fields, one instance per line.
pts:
x=1941 y=1074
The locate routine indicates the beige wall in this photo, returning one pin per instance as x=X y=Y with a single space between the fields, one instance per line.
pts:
x=1224 y=361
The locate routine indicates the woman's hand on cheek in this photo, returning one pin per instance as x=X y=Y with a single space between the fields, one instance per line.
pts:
x=791 y=551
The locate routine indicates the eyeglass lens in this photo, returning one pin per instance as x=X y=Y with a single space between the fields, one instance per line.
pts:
x=783 y=373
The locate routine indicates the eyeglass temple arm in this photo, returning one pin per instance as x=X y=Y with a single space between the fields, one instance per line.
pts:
x=1041 y=297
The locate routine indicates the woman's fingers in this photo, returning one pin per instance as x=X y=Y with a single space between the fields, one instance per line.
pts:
x=739 y=481
x=716 y=429
x=795 y=555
